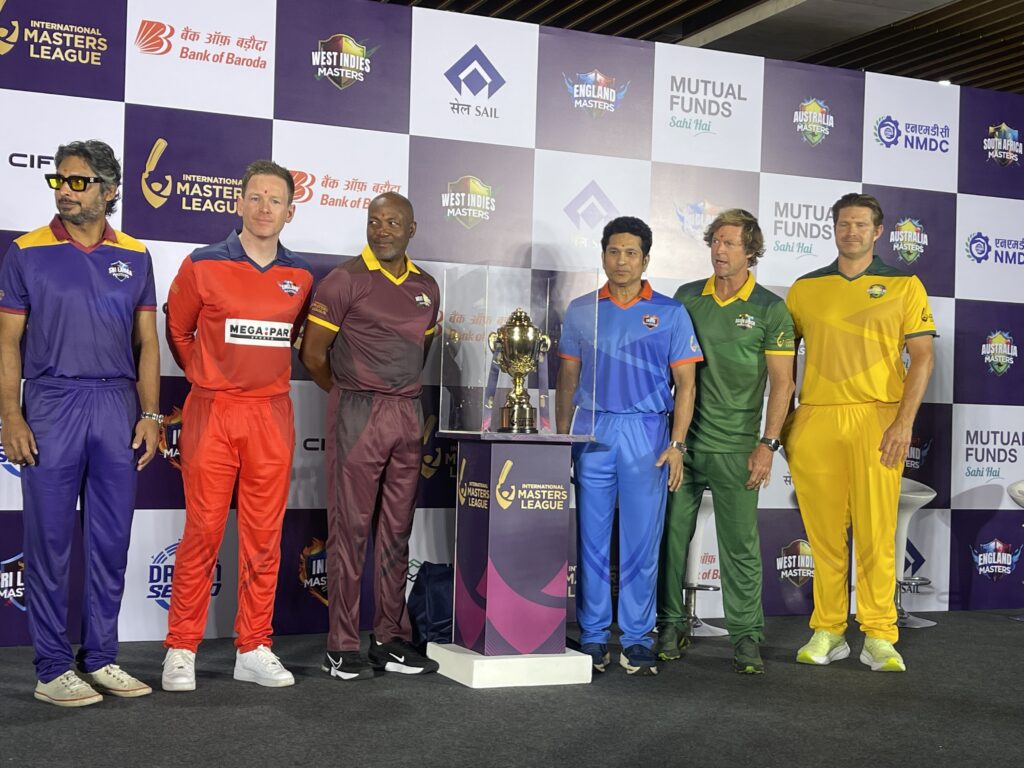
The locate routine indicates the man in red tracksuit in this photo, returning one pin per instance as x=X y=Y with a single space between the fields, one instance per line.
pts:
x=232 y=315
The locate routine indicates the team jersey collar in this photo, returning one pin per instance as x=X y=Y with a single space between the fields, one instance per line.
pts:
x=61 y=233
x=646 y=293
x=876 y=267
x=742 y=293
x=237 y=253
x=372 y=264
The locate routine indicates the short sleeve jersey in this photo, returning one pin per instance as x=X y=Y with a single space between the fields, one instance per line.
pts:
x=854 y=330
x=381 y=322
x=736 y=335
x=637 y=345
x=231 y=322
x=80 y=302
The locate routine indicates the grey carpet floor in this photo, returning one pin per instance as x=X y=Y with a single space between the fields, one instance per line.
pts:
x=961 y=703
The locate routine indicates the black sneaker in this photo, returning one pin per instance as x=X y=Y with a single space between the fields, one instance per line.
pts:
x=399 y=656
x=346 y=665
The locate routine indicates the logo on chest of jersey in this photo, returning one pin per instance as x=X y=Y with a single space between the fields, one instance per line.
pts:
x=257 y=333
x=745 y=321
x=119 y=271
x=423 y=301
x=288 y=287
x=651 y=321
x=876 y=291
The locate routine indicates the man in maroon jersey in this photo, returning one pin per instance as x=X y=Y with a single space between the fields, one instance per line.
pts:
x=368 y=331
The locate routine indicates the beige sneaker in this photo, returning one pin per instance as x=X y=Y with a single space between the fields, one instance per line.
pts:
x=115 y=681
x=68 y=690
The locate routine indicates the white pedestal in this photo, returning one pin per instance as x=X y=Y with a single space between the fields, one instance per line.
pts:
x=476 y=671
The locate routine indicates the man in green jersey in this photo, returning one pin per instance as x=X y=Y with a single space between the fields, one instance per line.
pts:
x=747 y=337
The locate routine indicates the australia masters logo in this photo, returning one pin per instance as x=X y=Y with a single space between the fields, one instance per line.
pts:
x=978 y=247
x=814 y=121
x=313 y=569
x=876 y=291
x=999 y=352
x=590 y=207
x=794 y=563
x=1003 y=145
x=341 y=61
x=468 y=201
x=996 y=559
x=745 y=321
x=161 y=574
x=119 y=271
x=473 y=73
x=908 y=240
x=12 y=581
x=594 y=92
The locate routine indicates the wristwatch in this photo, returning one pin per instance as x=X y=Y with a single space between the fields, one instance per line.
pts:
x=157 y=417
x=773 y=443
x=678 y=445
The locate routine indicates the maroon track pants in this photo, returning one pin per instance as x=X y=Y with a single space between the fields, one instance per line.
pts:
x=373 y=467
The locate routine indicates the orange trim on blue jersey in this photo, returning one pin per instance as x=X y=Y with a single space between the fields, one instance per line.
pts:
x=145 y=308
x=11 y=311
x=564 y=356
x=686 y=360
x=373 y=264
x=646 y=292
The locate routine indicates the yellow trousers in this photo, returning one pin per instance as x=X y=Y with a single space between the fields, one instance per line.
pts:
x=840 y=482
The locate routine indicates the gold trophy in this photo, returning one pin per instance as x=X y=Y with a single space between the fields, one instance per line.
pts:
x=520 y=343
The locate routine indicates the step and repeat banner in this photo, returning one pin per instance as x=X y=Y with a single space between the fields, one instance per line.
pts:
x=516 y=143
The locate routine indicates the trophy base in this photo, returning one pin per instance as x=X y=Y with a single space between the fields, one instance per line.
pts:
x=518 y=420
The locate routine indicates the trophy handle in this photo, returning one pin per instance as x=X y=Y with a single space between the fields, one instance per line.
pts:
x=492 y=341
x=545 y=342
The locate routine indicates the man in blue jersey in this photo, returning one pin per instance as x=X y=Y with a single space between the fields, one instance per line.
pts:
x=645 y=346
x=77 y=321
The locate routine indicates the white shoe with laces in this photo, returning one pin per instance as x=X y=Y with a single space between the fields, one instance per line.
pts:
x=179 y=670
x=115 y=681
x=261 y=666
x=68 y=690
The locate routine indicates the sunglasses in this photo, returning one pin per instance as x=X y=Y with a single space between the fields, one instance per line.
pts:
x=77 y=183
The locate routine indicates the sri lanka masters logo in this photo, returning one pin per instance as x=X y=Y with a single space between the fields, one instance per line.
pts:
x=341 y=61
x=119 y=270
x=795 y=563
x=1003 y=145
x=594 y=92
x=908 y=240
x=313 y=569
x=161 y=574
x=814 y=121
x=999 y=352
x=996 y=559
x=12 y=581
x=468 y=201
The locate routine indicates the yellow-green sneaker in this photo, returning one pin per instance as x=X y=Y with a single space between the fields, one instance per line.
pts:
x=881 y=656
x=823 y=648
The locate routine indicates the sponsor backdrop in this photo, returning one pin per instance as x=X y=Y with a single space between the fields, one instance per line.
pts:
x=516 y=143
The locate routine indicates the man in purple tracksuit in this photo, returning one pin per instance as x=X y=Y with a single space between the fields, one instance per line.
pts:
x=77 y=321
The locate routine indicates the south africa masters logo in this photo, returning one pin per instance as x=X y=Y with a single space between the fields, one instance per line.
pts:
x=1003 y=145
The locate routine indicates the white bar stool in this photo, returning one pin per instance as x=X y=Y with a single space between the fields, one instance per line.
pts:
x=913 y=496
x=691 y=585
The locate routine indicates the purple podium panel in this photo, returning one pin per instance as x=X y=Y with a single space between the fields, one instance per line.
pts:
x=511 y=546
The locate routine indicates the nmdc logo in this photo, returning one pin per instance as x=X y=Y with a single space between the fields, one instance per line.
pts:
x=161 y=573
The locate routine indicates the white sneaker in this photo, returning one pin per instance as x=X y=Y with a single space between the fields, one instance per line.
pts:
x=68 y=690
x=115 y=681
x=261 y=666
x=179 y=670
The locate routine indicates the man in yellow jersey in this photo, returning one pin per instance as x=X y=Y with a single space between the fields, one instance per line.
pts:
x=847 y=441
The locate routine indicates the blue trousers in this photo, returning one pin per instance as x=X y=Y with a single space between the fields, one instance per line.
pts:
x=83 y=430
x=620 y=466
